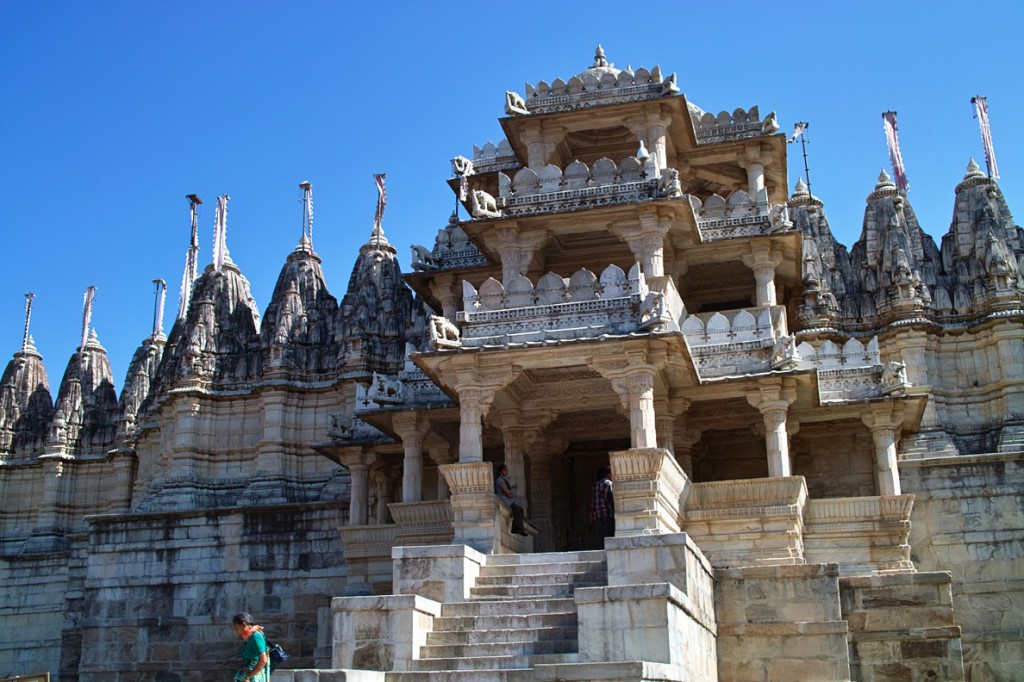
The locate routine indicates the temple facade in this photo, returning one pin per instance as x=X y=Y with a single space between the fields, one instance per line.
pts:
x=817 y=452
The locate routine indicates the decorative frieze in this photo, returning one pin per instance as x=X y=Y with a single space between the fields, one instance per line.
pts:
x=862 y=534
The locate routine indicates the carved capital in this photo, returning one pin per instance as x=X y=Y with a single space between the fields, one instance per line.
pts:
x=411 y=428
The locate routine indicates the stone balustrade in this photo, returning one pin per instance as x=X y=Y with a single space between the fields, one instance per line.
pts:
x=452 y=250
x=853 y=371
x=741 y=215
x=864 y=535
x=581 y=306
x=368 y=541
x=732 y=342
x=748 y=522
x=493 y=157
x=422 y=523
x=551 y=190
x=738 y=125
x=593 y=87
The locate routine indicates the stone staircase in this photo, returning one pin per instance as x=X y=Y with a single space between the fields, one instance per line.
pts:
x=521 y=613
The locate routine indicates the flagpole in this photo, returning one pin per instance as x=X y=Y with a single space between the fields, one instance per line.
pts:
x=800 y=130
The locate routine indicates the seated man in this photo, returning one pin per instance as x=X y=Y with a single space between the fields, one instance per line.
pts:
x=503 y=489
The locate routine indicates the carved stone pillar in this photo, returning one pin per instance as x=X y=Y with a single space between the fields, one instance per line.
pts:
x=666 y=413
x=517 y=251
x=763 y=261
x=473 y=406
x=358 y=513
x=755 y=178
x=636 y=391
x=772 y=399
x=651 y=128
x=684 y=449
x=541 y=145
x=440 y=453
x=412 y=430
x=884 y=421
x=447 y=291
x=383 y=496
x=646 y=239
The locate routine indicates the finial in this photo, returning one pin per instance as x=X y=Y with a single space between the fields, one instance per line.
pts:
x=599 y=59
x=26 y=339
x=306 y=241
x=883 y=178
x=642 y=153
x=158 y=307
x=188 y=277
x=801 y=186
x=220 y=233
x=972 y=166
x=90 y=295
x=377 y=238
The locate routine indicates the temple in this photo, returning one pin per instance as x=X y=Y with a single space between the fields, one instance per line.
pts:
x=817 y=452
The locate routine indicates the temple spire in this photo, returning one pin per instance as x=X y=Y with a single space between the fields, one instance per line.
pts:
x=28 y=315
x=188 y=278
x=220 y=234
x=158 y=311
x=307 y=214
x=90 y=295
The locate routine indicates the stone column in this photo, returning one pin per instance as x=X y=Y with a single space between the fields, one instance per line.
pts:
x=440 y=453
x=884 y=421
x=772 y=399
x=358 y=513
x=381 y=488
x=412 y=430
x=636 y=391
x=541 y=144
x=646 y=239
x=763 y=261
x=755 y=178
x=684 y=449
x=650 y=127
x=666 y=413
x=473 y=406
x=517 y=251
x=447 y=291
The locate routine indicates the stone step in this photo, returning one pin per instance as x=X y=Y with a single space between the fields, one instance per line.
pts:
x=490 y=650
x=481 y=607
x=517 y=592
x=514 y=675
x=566 y=578
x=505 y=622
x=485 y=635
x=481 y=663
x=549 y=568
x=545 y=558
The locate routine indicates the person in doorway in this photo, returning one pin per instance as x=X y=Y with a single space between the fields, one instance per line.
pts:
x=503 y=489
x=602 y=507
x=255 y=659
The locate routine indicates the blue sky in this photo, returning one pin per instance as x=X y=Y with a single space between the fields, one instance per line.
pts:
x=114 y=111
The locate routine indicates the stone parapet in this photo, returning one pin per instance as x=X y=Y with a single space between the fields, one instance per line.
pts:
x=422 y=523
x=863 y=535
x=382 y=633
x=748 y=522
x=368 y=554
x=650 y=491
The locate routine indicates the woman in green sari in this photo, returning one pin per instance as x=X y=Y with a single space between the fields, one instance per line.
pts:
x=255 y=659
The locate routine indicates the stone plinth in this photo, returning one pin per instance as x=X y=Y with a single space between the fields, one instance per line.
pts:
x=864 y=535
x=653 y=622
x=442 y=573
x=650 y=491
x=781 y=623
x=422 y=523
x=381 y=632
x=673 y=557
x=748 y=522
x=902 y=627
x=368 y=554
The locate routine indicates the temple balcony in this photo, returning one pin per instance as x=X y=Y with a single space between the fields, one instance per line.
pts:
x=853 y=371
x=552 y=190
x=738 y=342
x=739 y=125
x=739 y=216
x=583 y=306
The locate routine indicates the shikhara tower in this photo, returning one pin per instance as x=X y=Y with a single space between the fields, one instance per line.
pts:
x=817 y=450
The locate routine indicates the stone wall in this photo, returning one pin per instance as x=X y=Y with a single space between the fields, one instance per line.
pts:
x=160 y=590
x=32 y=612
x=969 y=519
